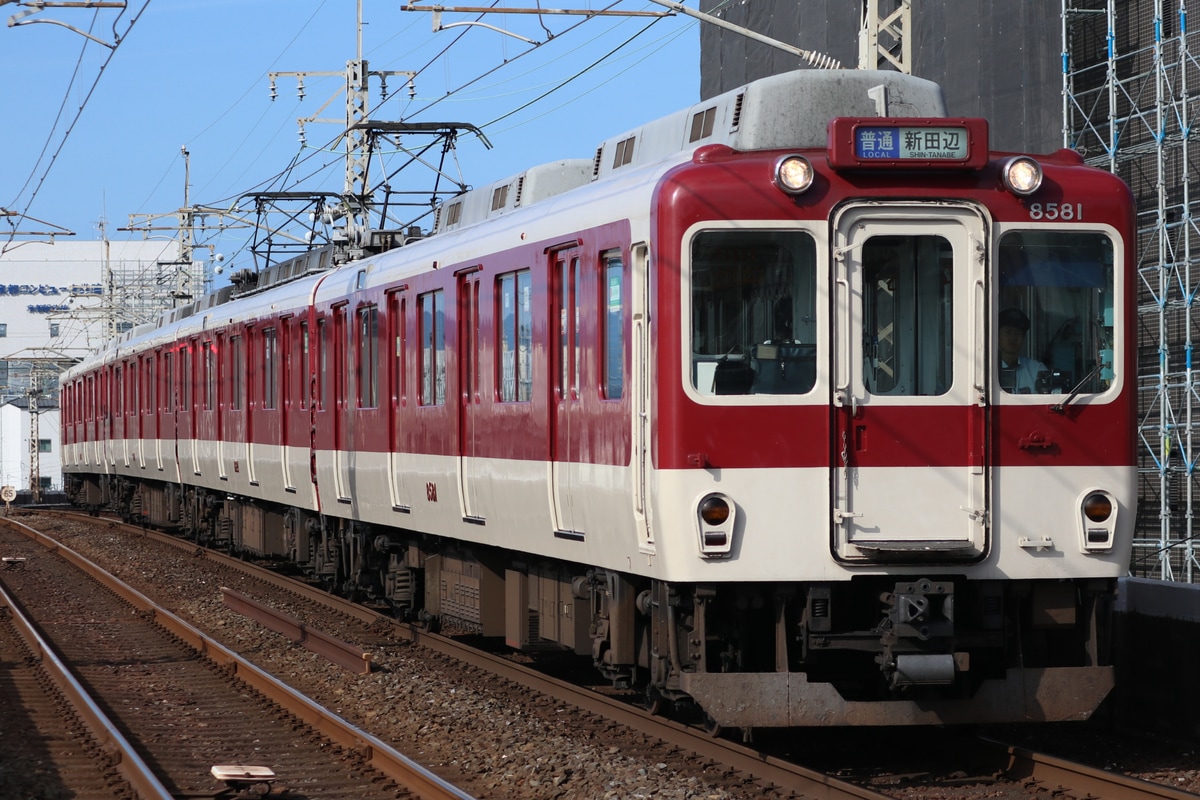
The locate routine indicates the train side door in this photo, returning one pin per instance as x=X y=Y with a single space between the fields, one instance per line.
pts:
x=285 y=353
x=187 y=394
x=908 y=456
x=222 y=391
x=343 y=413
x=234 y=403
x=469 y=393
x=396 y=320
x=121 y=455
x=642 y=379
x=149 y=410
x=565 y=403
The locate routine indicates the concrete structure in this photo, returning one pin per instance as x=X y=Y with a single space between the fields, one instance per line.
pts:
x=997 y=59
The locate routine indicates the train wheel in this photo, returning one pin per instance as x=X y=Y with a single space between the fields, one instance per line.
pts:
x=427 y=621
x=654 y=703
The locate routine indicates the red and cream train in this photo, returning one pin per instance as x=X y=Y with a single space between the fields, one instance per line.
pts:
x=721 y=408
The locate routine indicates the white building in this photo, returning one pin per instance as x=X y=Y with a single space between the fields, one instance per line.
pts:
x=15 y=453
x=58 y=302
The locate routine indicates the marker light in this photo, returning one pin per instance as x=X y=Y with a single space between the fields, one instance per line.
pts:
x=714 y=510
x=1097 y=507
x=1021 y=175
x=1098 y=521
x=793 y=174
x=716 y=518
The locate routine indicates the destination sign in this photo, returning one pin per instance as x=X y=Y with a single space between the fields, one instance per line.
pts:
x=924 y=143
x=908 y=143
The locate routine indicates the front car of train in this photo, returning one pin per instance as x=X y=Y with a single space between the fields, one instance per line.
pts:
x=894 y=412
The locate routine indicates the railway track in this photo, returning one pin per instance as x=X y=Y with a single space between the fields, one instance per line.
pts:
x=1005 y=769
x=46 y=746
x=206 y=720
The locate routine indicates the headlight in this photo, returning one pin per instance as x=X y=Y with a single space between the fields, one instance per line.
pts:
x=1021 y=175
x=794 y=174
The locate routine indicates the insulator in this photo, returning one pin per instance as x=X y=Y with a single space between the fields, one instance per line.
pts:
x=821 y=60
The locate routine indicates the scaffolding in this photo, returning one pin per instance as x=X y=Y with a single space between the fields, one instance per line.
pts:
x=1127 y=71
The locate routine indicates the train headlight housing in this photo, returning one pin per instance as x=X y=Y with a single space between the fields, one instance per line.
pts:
x=1021 y=175
x=1097 y=520
x=715 y=518
x=794 y=174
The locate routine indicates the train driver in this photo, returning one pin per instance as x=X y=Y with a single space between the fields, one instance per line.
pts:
x=1018 y=374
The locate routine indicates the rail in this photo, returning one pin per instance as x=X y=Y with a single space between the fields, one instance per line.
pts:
x=377 y=753
x=128 y=763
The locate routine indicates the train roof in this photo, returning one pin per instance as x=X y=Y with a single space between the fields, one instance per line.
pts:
x=790 y=110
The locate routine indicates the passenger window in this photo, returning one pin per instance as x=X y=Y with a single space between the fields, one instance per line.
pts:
x=237 y=371
x=323 y=365
x=753 y=312
x=433 y=348
x=368 y=360
x=516 y=337
x=908 y=315
x=270 y=354
x=614 y=328
x=1054 y=320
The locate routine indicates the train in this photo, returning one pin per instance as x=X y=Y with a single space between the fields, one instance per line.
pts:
x=798 y=407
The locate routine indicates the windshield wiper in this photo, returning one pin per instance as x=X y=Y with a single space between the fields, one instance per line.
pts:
x=1061 y=408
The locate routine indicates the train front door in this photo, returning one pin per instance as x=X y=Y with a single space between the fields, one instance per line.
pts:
x=909 y=475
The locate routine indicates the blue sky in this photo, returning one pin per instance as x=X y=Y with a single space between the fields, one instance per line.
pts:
x=194 y=73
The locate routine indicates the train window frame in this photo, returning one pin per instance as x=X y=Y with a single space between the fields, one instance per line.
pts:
x=1003 y=297
x=150 y=392
x=187 y=376
x=270 y=365
x=468 y=333
x=132 y=385
x=237 y=371
x=168 y=378
x=568 y=277
x=431 y=321
x=322 y=398
x=397 y=332
x=367 y=364
x=302 y=333
x=811 y=330
x=612 y=327
x=907 y=314
x=514 y=371
x=209 y=366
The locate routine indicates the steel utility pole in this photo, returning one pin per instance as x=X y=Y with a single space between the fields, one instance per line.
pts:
x=883 y=38
x=356 y=191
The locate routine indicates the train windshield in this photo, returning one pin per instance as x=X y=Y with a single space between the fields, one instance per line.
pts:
x=753 y=312
x=1055 y=313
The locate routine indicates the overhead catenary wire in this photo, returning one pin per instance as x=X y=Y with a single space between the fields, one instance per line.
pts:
x=74 y=121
